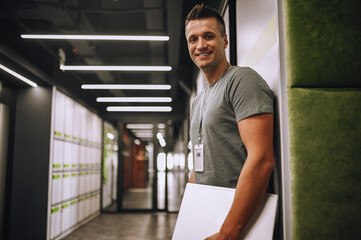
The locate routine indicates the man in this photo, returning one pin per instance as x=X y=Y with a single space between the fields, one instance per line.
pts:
x=231 y=123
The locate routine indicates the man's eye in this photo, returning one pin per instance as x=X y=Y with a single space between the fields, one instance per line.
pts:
x=209 y=37
x=192 y=40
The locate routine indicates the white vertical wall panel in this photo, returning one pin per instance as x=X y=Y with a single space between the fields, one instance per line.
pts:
x=74 y=185
x=83 y=123
x=75 y=156
x=55 y=221
x=81 y=209
x=98 y=180
x=56 y=188
x=66 y=185
x=65 y=216
x=75 y=165
x=59 y=115
x=82 y=156
x=81 y=189
x=68 y=155
x=97 y=201
x=76 y=122
x=88 y=181
x=68 y=123
x=58 y=154
x=73 y=213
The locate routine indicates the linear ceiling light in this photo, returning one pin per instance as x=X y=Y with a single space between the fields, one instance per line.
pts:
x=144 y=134
x=134 y=99
x=161 y=125
x=127 y=86
x=22 y=78
x=144 y=131
x=139 y=126
x=148 y=131
x=96 y=37
x=116 y=68
x=139 y=109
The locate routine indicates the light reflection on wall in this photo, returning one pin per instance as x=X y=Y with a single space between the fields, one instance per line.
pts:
x=161 y=162
x=170 y=161
x=190 y=161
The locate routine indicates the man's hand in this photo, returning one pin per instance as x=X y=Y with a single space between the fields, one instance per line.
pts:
x=218 y=236
x=213 y=237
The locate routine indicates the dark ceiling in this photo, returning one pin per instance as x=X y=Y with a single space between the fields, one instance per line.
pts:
x=39 y=59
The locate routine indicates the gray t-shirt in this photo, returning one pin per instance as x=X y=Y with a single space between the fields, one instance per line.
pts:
x=239 y=94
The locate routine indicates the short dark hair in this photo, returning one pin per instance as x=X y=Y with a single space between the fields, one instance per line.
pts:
x=201 y=11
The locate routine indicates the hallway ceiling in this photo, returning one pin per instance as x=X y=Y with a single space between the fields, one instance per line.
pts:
x=39 y=59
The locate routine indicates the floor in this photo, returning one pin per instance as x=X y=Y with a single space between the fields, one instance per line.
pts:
x=141 y=198
x=138 y=226
x=127 y=226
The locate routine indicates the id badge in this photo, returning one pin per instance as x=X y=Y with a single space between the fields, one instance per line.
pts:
x=198 y=158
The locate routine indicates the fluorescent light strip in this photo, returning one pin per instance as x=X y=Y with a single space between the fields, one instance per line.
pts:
x=139 y=126
x=143 y=131
x=127 y=86
x=22 y=78
x=139 y=109
x=116 y=68
x=96 y=37
x=144 y=135
x=161 y=125
x=134 y=99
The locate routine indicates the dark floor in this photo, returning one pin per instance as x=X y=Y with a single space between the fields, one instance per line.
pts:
x=127 y=226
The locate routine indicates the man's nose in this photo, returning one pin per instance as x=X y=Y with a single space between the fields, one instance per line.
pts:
x=201 y=43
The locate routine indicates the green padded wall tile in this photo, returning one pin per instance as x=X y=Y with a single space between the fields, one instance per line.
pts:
x=325 y=159
x=323 y=43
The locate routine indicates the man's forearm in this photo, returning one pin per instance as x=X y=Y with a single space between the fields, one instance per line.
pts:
x=250 y=190
x=191 y=178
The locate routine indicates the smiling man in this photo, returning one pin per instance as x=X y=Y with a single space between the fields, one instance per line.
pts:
x=231 y=123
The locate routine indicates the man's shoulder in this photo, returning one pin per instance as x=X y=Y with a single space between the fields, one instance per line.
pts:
x=243 y=71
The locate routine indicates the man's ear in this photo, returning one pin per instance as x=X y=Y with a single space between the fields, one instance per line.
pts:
x=225 y=41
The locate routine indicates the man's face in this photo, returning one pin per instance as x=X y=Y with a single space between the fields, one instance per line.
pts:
x=205 y=43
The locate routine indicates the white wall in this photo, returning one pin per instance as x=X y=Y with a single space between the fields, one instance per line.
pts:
x=258 y=47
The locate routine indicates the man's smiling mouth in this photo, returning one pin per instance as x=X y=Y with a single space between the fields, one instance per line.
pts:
x=203 y=54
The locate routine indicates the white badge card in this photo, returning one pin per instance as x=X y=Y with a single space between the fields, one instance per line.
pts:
x=198 y=158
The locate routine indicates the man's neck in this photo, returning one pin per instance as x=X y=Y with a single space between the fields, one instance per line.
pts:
x=213 y=75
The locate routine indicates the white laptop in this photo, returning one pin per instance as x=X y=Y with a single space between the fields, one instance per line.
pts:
x=204 y=209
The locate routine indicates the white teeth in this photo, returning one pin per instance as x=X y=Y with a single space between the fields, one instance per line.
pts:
x=203 y=54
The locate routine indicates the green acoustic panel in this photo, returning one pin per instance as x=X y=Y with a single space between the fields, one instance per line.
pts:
x=325 y=160
x=323 y=43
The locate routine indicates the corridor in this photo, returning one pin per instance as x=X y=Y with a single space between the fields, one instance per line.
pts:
x=99 y=120
x=127 y=226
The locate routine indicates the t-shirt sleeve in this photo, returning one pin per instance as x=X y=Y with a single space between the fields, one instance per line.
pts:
x=249 y=94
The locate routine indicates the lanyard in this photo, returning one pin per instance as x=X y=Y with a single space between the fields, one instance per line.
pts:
x=202 y=110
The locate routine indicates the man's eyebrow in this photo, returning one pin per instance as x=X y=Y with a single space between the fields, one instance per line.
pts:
x=190 y=36
x=194 y=35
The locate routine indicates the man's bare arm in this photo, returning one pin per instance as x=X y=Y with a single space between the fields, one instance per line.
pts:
x=257 y=135
x=191 y=178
